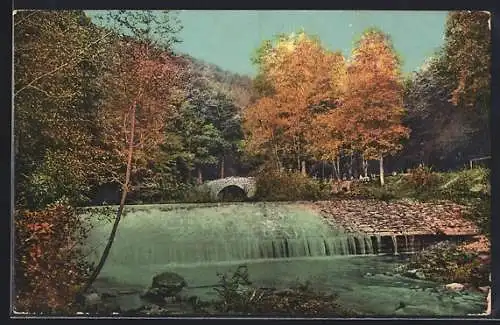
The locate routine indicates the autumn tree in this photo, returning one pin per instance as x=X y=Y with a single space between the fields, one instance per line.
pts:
x=327 y=135
x=142 y=95
x=298 y=72
x=374 y=103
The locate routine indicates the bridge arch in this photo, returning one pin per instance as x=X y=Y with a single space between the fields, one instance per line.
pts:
x=232 y=193
x=224 y=188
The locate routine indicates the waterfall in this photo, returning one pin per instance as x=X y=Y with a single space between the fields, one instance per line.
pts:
x=395 y=244
x=379 y=244
x=225 y=233
x=412 y=244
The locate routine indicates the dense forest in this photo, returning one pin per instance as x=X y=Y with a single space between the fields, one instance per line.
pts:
x=67 y=70
x=110 y=113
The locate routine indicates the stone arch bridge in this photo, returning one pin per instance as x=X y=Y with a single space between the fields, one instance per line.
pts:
x=242 y=187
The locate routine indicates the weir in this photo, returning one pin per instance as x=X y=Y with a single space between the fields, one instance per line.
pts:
x=225 y=233
x=280 y=243
x=154 y=235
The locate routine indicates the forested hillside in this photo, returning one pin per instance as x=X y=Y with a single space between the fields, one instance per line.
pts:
x=68 y=69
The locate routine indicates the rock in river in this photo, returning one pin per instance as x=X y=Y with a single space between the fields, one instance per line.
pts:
x=165 y=285
x=455 y=287
x=415 y=274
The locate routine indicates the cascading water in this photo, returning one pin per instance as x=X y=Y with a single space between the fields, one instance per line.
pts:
x=223 y=233
x=280 y=243
x=395 y=244
x=379 y=244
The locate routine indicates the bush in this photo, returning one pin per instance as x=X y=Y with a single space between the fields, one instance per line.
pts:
x=231 y=297
x=468 y=183
x=289 y=186
x=422 y=178
x=447 y=263
x=382 y=193
x=197 y=194
x=237 y=296
x=480 y=213
x=49 y=262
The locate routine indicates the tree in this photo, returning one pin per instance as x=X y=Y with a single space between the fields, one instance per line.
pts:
x=134 y=115
x=57 y=58
x=203 y=120
x=301 y=76
x=448 y=100
x=374 y=103
x=468 y=54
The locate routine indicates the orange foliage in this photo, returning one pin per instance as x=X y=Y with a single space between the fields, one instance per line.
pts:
x=304 y=77
x=48 y=259
x=150 y=81
x=373 y=108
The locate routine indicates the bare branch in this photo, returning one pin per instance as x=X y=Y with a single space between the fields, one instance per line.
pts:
x=25 y=18
x=61 y=66
x=49 y=95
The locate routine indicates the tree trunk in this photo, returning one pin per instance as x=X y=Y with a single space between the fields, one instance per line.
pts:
x=381 y=160
x=323 y=169
x=119 y=213
x=278 y=161
x=365 y=166
x=338 y=168
x=222 y=167
x=350 y=166
x=199 y=180
x=274 y=148
x=303 y=169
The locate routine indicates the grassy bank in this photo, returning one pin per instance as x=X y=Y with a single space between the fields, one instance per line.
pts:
x=470 y=187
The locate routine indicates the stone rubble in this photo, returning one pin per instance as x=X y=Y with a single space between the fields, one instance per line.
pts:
x=397 y=218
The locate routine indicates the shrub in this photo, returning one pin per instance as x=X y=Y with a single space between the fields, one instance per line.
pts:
x=231 y=297
x=49 y=263
x=197 y=194
x=468 y=183
x=480 y=213
x=446 y=262
x=422 y=178
x=383 y=194
x=236 y=295
x=289 y=186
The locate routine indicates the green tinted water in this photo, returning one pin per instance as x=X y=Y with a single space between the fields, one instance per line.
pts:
x=282 y=244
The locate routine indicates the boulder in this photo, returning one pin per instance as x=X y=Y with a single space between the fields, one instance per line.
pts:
x=415 y=274
x=165 y=285
x=455 y=287
x=92 y=299
x=129 y=302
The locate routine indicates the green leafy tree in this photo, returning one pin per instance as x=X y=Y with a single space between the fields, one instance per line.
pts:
x=468 y=54
x=57 y=57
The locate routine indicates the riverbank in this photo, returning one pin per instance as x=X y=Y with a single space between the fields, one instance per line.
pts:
x=396 y=217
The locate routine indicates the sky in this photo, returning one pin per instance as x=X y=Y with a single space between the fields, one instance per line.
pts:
x=228 y=38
